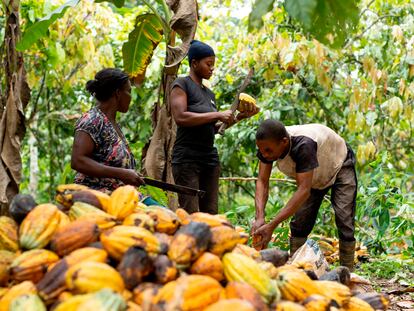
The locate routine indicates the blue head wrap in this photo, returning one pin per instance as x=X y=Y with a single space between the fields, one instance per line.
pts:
x=199 y=50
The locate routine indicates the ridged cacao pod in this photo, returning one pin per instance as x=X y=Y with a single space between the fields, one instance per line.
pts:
x=134 y=266
x=104 y=300
x=334 y=290
x=29 y=302
x=87 y=277
x=32 y=265
x=140 y=220
x=224 y=239
x=318 y=302
x=296 y=285
x=165 y=269
x=37 y=228
x=53 y=283
x=166 y=221
x=118 y=239
x=190 y=292
x=6 y=258
x=289 y=306
x=241 y=268
x=230 y=304
x=245 y=292
x=208 y=264
x=123 y=201
x=8 y=234
x=26 y=287
x=189 y=243
x=74 y=236
x=145 y=293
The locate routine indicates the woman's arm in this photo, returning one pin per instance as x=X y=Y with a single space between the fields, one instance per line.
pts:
x=183 y=117
x=82 y=161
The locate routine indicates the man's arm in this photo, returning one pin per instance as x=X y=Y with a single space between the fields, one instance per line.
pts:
x=304 y=183
x=262 y=193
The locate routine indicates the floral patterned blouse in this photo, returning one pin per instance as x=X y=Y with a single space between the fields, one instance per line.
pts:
x=110 y=149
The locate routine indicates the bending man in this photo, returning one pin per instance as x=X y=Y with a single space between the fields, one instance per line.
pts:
x=319 y=160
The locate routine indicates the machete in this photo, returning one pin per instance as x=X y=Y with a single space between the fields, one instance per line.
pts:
x=174 y=188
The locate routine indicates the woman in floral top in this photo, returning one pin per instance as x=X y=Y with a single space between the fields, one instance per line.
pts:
x=101 y=154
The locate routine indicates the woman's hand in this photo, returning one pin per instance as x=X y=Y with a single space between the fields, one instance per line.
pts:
x=131 y=177
x=226 y=117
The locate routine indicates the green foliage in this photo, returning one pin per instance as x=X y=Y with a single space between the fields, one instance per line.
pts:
x=142 y=41
x=329 y=21
x=117 y=3
x=260 y=7
x=399 y=269
x=40 y=28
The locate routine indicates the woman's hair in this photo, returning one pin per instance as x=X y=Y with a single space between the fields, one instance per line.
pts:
x=106 y=82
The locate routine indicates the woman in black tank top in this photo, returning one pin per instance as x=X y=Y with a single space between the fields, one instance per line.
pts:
x=195 y=160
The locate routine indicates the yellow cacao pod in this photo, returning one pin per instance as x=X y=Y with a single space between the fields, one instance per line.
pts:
x=190 y=292
x=84 y=211
x=104 y=300
x=356 y=304
x=245 y=292
x=6 y=258
x=288 y=306
x=334 y=290
x=53 y=283
x=208 y=264
x=37 y=228
x=118 y=239
x=295 y=285
x=140 y=220
x=26 y=287
x=224 y=239
x=230 y=304
x=318 y=302
x=165 y=220
x=31 y=265
x=123 y=201
x=87 y=277
x=238 y=267
x=29 y=302
x=72 y=303
x=8 y=234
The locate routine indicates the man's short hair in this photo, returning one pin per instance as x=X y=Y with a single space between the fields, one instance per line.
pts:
x=271 y=129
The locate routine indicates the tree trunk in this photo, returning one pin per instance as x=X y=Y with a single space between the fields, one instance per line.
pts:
x=34 y=164
x=15 y=98
x=159 y=154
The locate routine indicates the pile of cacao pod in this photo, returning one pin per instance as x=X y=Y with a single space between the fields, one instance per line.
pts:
x=330 y=249
x=92 y=251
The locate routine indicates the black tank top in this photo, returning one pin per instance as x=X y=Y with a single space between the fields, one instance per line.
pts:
x=195 y=144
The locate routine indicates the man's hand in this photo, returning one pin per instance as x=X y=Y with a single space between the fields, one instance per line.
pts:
x=265 y=234
x=257 y=224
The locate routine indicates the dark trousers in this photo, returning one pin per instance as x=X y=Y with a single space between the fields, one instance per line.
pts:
x=203 y=177
x=343 y=198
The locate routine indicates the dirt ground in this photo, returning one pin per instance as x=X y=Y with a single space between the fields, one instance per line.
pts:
x=402 y=298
